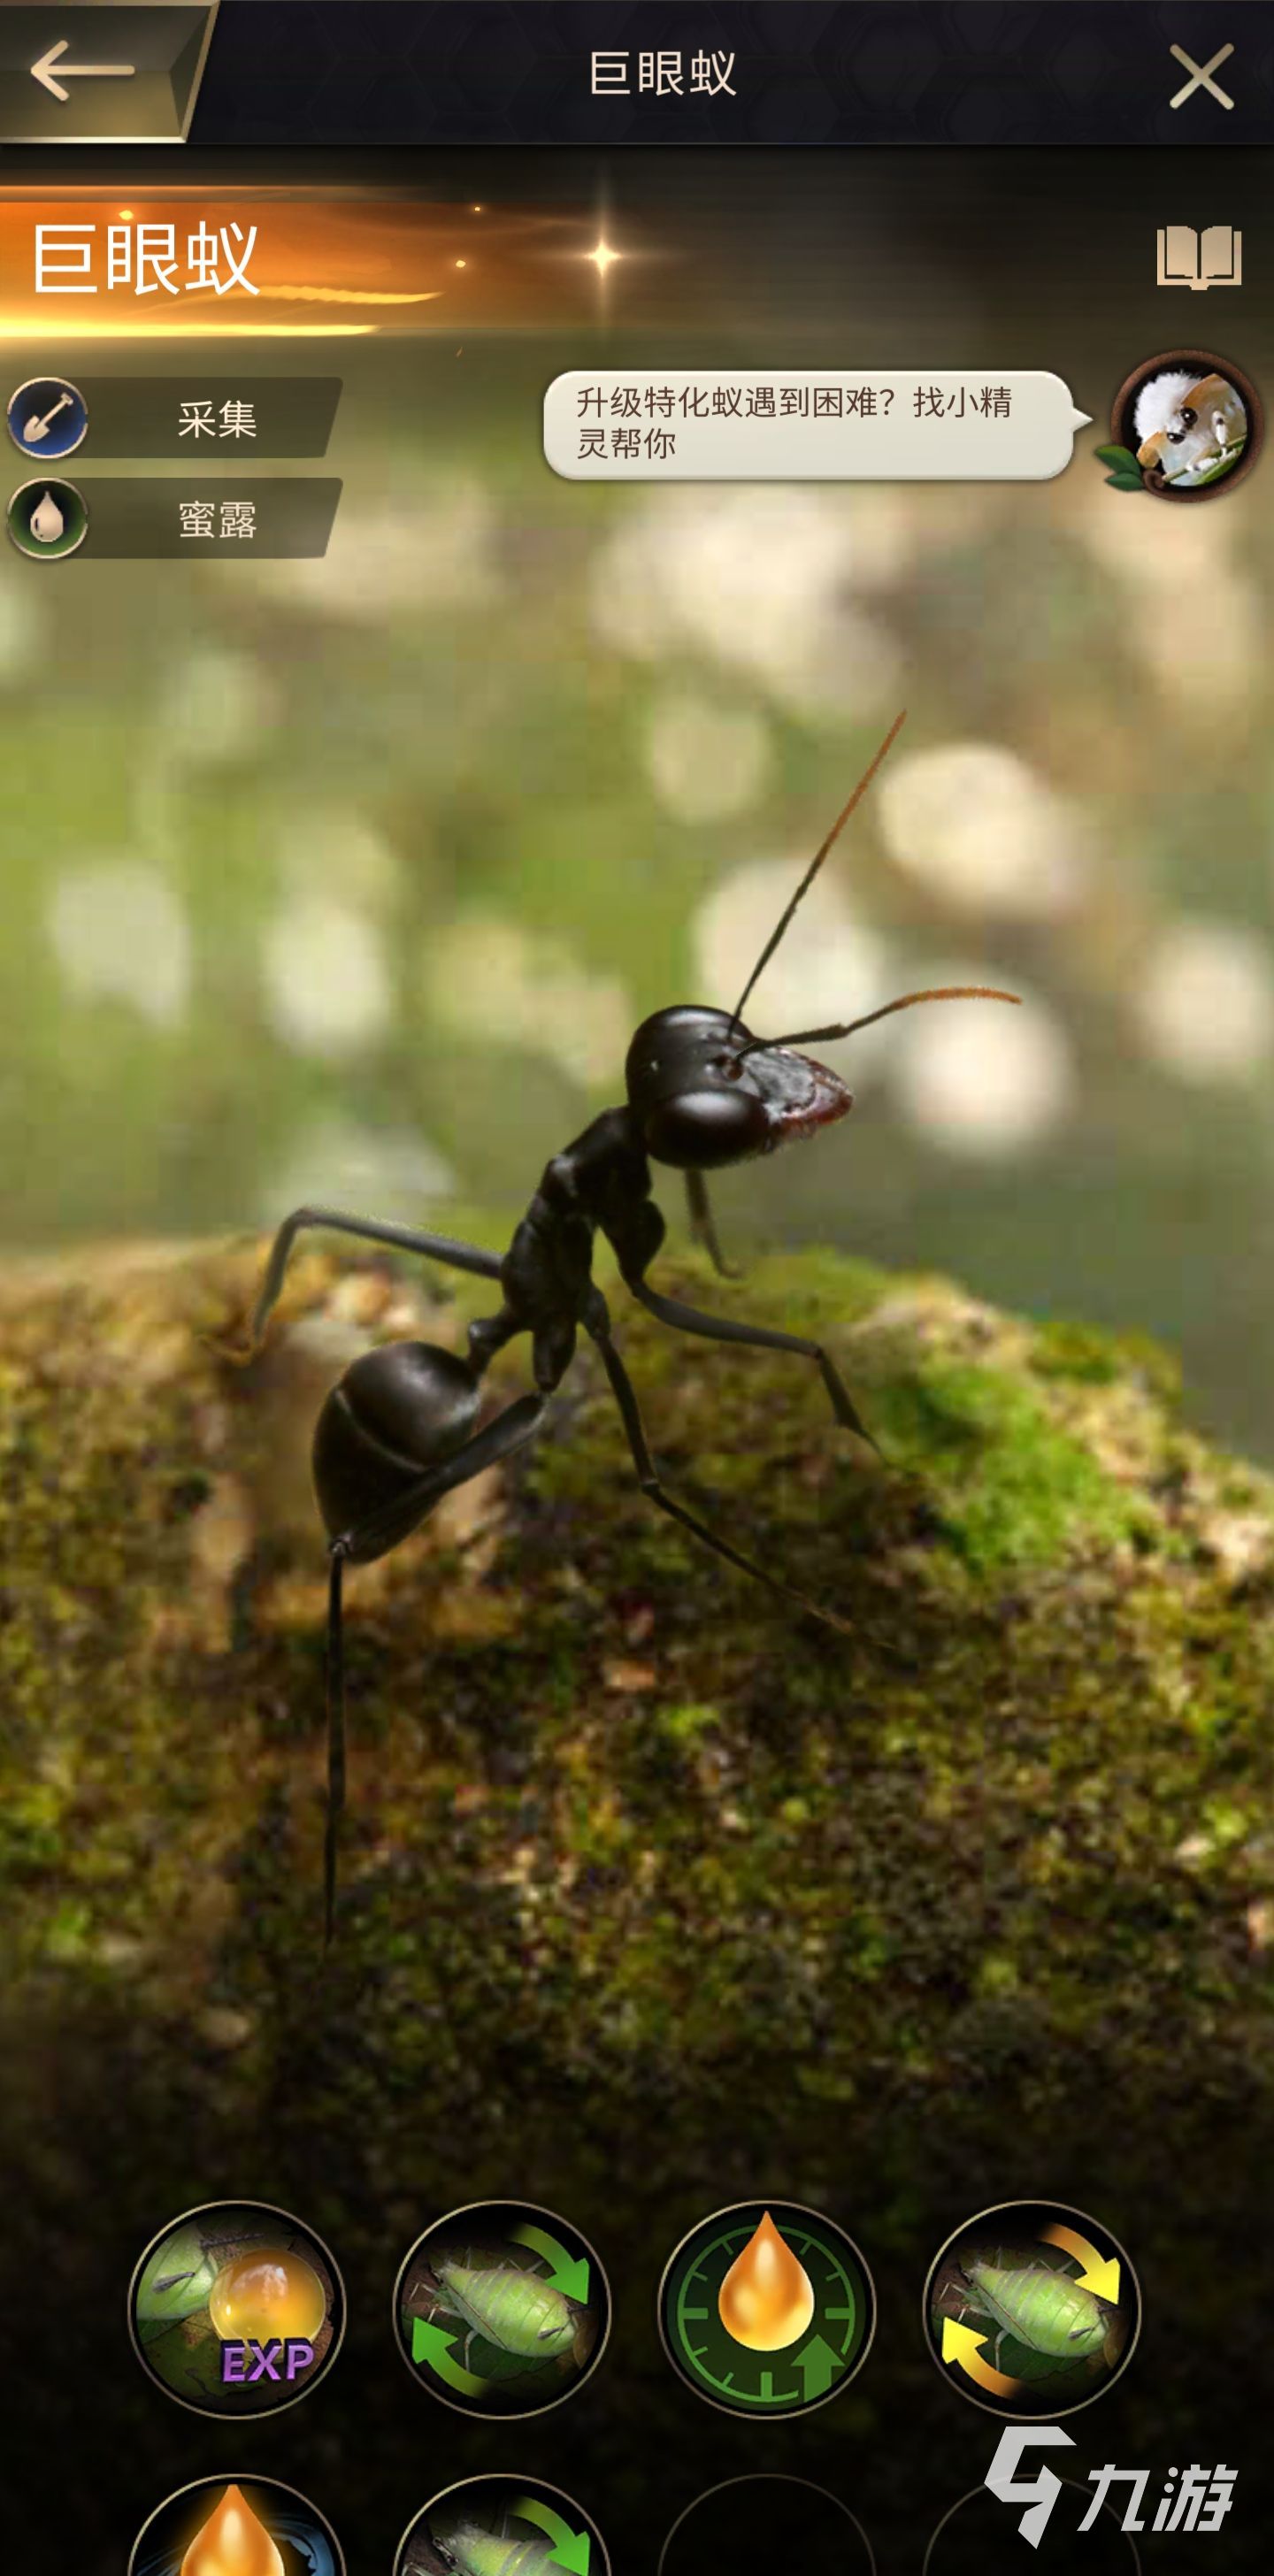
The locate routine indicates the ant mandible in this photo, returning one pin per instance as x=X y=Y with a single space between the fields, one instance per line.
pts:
x=400 y=1429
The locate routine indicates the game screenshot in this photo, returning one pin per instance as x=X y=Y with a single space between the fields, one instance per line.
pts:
x=637 y=1287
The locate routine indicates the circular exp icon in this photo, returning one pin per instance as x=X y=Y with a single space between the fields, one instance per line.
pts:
x=236 y=2309
x=767 y=2309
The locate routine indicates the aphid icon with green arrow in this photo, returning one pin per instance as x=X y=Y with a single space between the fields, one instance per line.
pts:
x=495 y=2527
x=505 y=2321
x=522 y=2315
x=474 y=2552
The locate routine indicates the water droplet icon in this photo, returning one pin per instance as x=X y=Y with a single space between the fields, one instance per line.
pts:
x=233 y=2542
x=47 y=522
x=766 y=2300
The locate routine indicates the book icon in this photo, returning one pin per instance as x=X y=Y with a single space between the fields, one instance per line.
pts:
x=1200 y=260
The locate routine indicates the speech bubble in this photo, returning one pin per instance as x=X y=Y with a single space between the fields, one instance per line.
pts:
x=824 y=425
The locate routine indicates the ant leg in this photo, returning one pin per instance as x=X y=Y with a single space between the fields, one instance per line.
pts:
x=402 y=1238
x=722 y=1328
x=625 y=1397
x=368 y=1538
x=703 y=1224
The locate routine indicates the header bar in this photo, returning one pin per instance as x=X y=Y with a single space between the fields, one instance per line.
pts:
x=610 y=73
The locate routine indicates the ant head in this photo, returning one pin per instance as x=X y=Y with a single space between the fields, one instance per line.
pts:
x=705 y=1092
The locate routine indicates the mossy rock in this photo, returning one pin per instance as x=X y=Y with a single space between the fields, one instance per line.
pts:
x=593 y=1771
x=656 y=1893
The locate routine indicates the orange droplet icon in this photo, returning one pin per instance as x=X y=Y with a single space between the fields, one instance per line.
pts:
x=766 y=2300
x=234 y=2542
x=267 y=2292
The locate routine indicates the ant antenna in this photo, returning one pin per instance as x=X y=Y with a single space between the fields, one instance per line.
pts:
x=335 y=1738
x=847 y=1028
x=816 y=863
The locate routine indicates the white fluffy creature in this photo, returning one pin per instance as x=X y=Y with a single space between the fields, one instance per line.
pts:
x=1189 y=425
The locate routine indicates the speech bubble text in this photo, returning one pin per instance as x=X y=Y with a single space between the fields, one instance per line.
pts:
x=722 y=425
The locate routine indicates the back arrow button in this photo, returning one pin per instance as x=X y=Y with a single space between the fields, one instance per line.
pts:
x=101 y=71
x=43 y=70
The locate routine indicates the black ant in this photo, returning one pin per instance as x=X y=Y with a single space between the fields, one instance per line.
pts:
x=401 y=1428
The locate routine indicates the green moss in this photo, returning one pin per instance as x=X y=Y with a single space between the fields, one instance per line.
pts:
x=605 y=1793
x=1012 y=1488
x=1063 y=1348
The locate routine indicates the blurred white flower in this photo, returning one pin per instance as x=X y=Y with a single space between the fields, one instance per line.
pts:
x=1204 y=1001
x=1167 y=557
x=980 y=1079
x=829 y=966
x=1153 y=546
x=326 y=980
x=120 y=932
x=759 y=578
x=845 y=665
x=409 y=554
x=973 y=821
x=323 y=848
x=705 y=762
x=1224 y=661
x=214 y=705
x=486 y=976
x=387 y=1171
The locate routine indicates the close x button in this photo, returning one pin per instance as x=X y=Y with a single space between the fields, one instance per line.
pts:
x=102 y=74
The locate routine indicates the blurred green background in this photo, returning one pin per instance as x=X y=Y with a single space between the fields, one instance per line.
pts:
x=353 y=877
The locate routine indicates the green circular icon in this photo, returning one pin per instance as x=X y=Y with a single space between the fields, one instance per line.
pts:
x=502 y=2309
x=767 y=2309
x=47 y=518
x=502 y=2526
x=1032 y=2309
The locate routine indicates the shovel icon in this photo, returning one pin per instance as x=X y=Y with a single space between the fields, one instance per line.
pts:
x=36 y=429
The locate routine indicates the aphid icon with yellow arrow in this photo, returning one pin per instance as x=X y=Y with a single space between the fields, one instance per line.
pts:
x=1022 y=2321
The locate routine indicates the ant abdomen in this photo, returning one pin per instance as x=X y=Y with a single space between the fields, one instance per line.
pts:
x=397 y=1412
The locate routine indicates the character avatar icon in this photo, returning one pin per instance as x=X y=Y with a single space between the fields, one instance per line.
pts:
x=1184 y=424
x=1192 y=428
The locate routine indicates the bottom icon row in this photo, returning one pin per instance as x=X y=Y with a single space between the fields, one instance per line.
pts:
x=255 y=2527
x=519 y=2527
